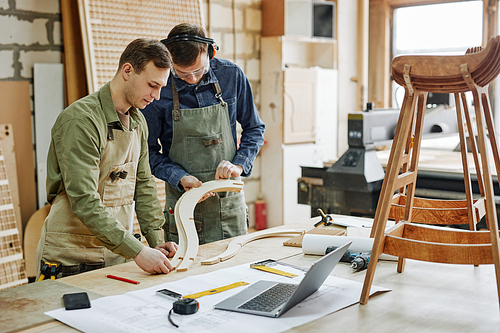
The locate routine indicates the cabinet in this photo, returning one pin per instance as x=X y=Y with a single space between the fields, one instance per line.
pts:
x=299 y=102
x=299 y=18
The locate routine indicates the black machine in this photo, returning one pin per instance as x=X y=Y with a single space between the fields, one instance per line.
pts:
x=351 y=186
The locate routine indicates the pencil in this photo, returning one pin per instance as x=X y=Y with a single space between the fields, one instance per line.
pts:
x=122 y=279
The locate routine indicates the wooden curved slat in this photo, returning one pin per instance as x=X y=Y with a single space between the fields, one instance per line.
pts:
x=240 y=241
x=184 y=220
x=433 y=211
x=477 y=254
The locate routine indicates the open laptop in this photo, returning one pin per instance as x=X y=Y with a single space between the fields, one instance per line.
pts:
x=272 y=299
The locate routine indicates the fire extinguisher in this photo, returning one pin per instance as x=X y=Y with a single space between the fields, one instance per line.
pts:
x=260 y=214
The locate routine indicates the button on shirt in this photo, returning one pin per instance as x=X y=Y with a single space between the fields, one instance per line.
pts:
x=236 y=92
x=78 y=137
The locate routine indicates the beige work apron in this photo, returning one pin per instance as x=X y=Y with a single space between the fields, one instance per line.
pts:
x=65 y=239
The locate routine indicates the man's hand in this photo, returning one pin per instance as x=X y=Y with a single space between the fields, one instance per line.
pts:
x=169 y=249
x=226 y=169
x=153 y=261
x=189 y=182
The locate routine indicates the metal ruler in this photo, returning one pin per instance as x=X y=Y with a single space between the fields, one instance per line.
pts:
x=216 y=290
x=273 y=270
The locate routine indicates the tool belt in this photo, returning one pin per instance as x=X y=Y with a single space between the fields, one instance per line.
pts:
x=80 y=268
x=53 y=271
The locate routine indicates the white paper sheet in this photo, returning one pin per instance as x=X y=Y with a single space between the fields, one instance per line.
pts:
x=143 y=311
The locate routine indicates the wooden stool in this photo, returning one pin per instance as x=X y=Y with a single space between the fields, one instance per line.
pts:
x=440 y=74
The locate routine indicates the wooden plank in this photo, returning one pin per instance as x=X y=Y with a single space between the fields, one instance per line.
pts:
x=16 y=110
x=74 y=65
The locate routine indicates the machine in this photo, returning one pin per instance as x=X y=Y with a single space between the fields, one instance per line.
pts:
x=351 y=186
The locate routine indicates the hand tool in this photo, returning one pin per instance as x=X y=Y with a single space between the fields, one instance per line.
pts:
x=325 y=219
x=49 y=269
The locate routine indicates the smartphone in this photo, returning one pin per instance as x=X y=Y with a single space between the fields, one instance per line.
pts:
x=168 y=293
x=76 y=301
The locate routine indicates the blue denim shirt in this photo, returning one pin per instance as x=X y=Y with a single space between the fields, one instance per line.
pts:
x=236 y=92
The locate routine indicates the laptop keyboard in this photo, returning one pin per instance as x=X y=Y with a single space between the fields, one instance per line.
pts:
x=271 y=298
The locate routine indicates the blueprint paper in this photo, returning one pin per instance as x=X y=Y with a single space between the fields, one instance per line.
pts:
x=144 y=311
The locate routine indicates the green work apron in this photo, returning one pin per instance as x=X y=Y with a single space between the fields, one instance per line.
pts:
x=65 y=239
x=201 y=139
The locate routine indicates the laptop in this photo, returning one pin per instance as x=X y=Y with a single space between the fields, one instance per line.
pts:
x=272 y=299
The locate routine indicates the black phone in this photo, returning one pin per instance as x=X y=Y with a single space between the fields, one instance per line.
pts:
x=76 y=301
x=168 y=293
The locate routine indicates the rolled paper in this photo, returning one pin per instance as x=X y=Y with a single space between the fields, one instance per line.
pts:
x=317 y=244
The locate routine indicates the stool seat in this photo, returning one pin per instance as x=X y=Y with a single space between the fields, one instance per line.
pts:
x=443 y=74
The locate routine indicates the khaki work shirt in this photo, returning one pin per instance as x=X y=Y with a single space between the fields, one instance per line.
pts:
x=79 y=136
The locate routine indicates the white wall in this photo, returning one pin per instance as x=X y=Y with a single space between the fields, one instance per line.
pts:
x=346 y=35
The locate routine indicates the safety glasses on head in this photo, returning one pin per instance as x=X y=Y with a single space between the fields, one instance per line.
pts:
x=180 y=74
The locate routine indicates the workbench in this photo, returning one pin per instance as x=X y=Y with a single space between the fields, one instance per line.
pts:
x=426 y=297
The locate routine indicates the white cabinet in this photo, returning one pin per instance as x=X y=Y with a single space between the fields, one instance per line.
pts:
x=299 y=107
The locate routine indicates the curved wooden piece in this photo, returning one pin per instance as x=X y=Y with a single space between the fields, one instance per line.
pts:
x=441 y=245
x=184 y=220
x=240 y=241
x=31 y=238
x=434 y=211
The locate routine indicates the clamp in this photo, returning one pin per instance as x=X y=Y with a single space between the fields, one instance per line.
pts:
x=325 y=219
x=49 y=269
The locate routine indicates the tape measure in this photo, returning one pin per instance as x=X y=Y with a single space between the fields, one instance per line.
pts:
x=216 y=290
x=273 y=270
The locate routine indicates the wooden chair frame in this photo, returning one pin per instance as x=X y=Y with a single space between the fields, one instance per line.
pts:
x=448 y=74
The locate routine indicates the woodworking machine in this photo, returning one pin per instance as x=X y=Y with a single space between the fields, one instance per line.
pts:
x=351 y=186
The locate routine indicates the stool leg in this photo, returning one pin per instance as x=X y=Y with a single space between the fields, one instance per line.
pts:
x=465 y=162
x=483 y=119
x=388 y=185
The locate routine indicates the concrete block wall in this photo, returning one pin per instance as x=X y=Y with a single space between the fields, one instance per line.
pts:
x=236 y=26
x=31 y=32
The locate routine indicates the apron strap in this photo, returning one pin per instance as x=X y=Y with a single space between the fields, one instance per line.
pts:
x=218 y=93
x=175 y=96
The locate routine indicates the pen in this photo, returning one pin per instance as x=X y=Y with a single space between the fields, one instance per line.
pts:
x=122 y=279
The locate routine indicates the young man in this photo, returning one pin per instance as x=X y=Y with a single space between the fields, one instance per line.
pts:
x=192 y=133
x=98 y=165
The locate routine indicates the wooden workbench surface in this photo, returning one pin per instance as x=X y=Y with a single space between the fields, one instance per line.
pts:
x=426 y=297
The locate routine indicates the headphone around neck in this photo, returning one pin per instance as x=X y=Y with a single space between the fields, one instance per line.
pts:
x=212 y=45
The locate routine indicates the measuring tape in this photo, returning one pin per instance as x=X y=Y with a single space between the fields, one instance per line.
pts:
x=216 y=290
x=273 y=270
